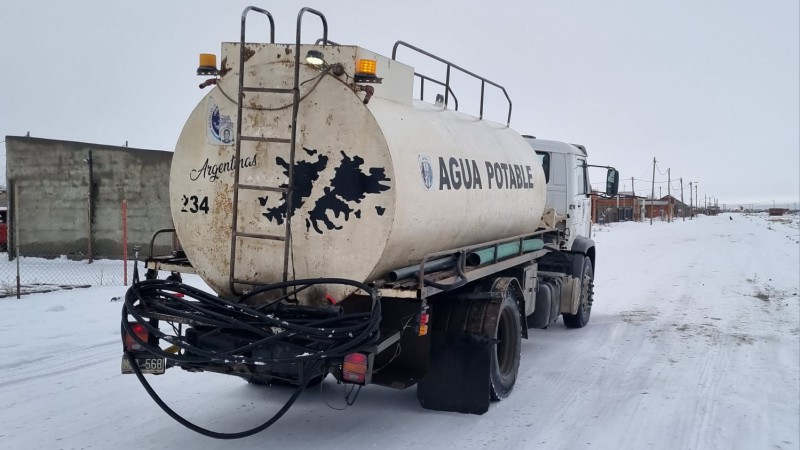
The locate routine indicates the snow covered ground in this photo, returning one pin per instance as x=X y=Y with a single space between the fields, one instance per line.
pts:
x=694 y=343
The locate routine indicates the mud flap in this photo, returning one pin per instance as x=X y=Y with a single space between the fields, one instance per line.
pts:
x=458 y=376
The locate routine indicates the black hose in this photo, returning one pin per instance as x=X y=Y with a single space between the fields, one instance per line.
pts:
x=348 y=331
x=215 y=434
x=316 y=336
x=462 y=279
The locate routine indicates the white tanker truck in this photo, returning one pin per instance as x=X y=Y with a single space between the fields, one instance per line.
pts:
x=349 y=229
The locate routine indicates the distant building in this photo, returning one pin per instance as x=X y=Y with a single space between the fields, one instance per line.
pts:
x=777 y=211
x=678 y=208
x=620 y=208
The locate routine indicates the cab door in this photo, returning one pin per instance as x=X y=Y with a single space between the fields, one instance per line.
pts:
x=580 y=207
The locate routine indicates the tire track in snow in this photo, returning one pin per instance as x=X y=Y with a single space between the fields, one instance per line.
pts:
x=58 y=363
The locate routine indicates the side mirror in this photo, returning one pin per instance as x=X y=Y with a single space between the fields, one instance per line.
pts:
x=612 y=182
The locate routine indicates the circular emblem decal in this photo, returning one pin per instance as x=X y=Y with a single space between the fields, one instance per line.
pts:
x=426 y=172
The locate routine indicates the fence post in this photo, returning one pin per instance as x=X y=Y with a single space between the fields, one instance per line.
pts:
x=125 y=241
x=91 y=206
x=16 y=233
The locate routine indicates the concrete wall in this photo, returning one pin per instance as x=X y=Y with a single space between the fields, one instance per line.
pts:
x=50 y=180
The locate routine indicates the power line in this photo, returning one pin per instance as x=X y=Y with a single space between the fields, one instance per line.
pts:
x=650 y=181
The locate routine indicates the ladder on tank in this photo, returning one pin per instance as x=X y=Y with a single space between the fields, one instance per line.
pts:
x=290 y=141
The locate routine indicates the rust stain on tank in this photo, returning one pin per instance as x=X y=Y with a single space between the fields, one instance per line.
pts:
x=248 y=53
x=253 y=104
x=255 y=119
x=261 y=147
x=220 y=226
x=223 y=68
x=222 y=204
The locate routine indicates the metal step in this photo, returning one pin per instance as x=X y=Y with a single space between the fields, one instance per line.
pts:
x=249 y=283
x=253 y=187
x=265 y=139
x=269 y=237
x=268 y=90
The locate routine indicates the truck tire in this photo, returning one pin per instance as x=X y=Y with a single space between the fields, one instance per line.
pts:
x=506 y=349
x=581 y=318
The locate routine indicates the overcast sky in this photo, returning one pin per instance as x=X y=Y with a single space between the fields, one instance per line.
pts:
x=710 y=88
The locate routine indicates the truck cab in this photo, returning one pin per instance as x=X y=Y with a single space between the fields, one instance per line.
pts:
x=568 y=187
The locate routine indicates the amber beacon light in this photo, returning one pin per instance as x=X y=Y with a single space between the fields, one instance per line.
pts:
x=366 y=68
x=208 y=64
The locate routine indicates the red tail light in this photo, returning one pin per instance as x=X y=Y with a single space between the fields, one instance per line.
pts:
x=423 y=319
x=140 y=331
x=355 y=368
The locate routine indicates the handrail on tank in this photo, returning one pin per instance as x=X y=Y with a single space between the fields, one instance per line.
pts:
x=329 y=42
x=299 y=26
x=432 y=80
x=155 y=235
x=484 y=81
x=244 y=20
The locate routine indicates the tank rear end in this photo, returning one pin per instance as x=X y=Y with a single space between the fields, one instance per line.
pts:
x=380 y=180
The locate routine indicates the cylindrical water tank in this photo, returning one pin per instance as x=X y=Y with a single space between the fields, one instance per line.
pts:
x=376 y=186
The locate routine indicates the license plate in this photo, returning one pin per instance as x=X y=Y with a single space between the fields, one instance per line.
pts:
x=154 y=366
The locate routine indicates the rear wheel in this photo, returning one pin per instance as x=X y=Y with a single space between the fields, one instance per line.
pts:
x=581 y=318
x=506 y=350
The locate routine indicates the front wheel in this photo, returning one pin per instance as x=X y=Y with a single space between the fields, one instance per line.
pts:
x=581 y=318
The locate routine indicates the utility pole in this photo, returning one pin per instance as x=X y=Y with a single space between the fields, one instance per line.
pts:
x=633 y=202
x=669 y=194
x=684 y=204
x=691 y=208
x=696 y=195
x=653 y=192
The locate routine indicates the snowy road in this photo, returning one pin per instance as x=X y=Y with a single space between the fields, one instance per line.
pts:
x=694 y=343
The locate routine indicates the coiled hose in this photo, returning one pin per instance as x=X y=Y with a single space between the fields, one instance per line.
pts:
x=315 y=339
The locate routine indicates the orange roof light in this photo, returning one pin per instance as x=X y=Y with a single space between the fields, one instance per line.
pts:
x=366 y=68
x=208 y=64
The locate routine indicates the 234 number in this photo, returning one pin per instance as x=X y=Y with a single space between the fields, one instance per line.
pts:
x=195 y=204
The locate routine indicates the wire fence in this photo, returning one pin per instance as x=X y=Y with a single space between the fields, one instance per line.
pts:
x=49 y=249
x=57 y=269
